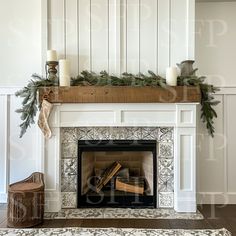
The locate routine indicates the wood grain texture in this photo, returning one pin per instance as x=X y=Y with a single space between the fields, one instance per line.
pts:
x=123 y=94
x=26 y=202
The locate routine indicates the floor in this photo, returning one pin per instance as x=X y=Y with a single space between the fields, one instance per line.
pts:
x=215 y=217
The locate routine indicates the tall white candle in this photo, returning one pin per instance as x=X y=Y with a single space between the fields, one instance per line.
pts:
x=51 y=55
x=171 y=76
x=64 y=72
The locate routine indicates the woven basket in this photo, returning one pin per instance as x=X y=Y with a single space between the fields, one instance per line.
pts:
x=26 y=202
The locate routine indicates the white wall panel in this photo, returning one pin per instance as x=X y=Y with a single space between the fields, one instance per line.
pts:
x=114 y=22
x=57 y=27
x=185 y=162
x=133 y=36
x=230 y=151
x=71 y=35
x=121 y=35
x=163 y=36
x=20 y=36
x=22 y=152
x=215 y=42
x=99 y=35
x=210 y=159
x=148 y=35
x=178 y=28
x=84 y=46
x=4 y=155
x=18 y=157
x=138 y=31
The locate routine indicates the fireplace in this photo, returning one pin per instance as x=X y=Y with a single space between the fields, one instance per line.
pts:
x=172 y=126
x=137 y=162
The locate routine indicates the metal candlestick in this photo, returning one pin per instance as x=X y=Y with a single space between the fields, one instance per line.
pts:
x=51 y=71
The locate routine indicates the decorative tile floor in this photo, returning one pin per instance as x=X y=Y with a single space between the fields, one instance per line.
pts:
x=113 y=232
x=121 y=213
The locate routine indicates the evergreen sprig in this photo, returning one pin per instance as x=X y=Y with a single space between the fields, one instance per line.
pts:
x=30 y=102
x=86 y=78
x=208 y=113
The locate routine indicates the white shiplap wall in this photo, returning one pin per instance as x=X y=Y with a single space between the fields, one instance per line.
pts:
x=131 y=35
x=112 y=35
x=18 y=157
x=122 y=35
x=21 y=51
x=215 y=47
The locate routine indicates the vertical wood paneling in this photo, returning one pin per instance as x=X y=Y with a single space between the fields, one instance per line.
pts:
x=148 y=35
x=211 y=155
x=231 y=131
x=22 y=154
x=185 y=162
x=163 y=35
x=71 y=37
x=123 y=36
x=99 y=34
x=114 y=36
x=44 y=33
x=132 y=37
x=56 y=27
x=3 y=146
x=190 y=30
x=178 y=31
x=84 y=35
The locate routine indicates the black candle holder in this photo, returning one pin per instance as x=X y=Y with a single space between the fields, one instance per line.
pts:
x=51 y=72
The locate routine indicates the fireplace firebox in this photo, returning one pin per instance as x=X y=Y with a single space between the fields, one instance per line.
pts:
x=137 y=160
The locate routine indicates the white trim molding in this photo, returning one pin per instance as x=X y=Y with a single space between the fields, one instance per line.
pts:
x=5 y=168
x=180 y=116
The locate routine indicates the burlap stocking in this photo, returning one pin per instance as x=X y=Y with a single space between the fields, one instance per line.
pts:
x=43 y=119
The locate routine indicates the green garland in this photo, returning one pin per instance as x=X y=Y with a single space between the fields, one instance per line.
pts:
x=30 y=102
x=86 y=78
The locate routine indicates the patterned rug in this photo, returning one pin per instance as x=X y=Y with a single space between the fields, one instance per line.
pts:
x=112 y=232
x=121 y=213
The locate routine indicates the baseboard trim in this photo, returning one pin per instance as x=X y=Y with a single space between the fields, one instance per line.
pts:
x=216 y=198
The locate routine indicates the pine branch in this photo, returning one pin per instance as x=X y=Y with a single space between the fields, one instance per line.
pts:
x=87 y=78
x=207 y=99
x=30 y=103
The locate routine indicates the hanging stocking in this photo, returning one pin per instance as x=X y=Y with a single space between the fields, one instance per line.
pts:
x=43 y=119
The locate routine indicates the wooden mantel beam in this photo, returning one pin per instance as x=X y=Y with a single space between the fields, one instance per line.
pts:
x=120 y=94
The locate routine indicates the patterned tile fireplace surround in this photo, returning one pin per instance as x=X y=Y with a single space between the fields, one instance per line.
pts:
x=165 y=155
x=171 y=125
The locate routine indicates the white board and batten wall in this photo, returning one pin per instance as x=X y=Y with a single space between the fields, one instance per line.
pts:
x=21 y=50
x=122 y=35
x=117 y=36
x=216 y=58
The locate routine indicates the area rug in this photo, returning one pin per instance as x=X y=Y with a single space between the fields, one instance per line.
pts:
x=121 y=213
x=112 y=232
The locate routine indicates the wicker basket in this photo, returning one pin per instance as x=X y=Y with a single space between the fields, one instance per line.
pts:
x=26 y=202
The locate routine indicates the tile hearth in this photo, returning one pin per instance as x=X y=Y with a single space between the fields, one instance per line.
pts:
x=165 y=155
x=121 y=213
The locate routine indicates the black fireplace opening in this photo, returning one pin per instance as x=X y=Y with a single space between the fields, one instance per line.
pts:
x=117 y=173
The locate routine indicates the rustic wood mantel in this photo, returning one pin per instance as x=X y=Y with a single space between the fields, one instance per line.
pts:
x=120 y=94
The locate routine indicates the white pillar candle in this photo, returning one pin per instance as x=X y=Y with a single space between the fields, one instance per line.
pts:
x=51 y=55
x=171 y=76
x=64 y=72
